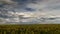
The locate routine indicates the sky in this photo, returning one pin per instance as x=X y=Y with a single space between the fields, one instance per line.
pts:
x=29 y=11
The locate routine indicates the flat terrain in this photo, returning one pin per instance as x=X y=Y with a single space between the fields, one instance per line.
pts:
x=30 y=29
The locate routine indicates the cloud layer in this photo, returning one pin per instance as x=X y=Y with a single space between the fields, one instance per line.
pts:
x=29 y=11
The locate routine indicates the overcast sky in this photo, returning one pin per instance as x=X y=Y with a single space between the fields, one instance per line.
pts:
x=29 y=11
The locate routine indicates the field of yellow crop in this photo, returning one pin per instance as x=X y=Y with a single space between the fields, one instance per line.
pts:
x=30 y=29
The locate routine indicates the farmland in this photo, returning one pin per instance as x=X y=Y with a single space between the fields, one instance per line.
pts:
x=30 y=29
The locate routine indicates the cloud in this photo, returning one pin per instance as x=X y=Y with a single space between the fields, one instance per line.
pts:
x=29 y=11
x=26 y=1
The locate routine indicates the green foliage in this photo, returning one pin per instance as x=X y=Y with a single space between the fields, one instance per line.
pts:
x=30 y=29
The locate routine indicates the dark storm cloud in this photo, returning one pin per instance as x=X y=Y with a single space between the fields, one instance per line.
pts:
x=12 y=5
x=48 y=18
x=3 y=16
x=56 y=7
x=26 y=1
x=2 y=4
x=29 y=9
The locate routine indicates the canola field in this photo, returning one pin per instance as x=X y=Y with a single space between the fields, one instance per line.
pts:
x=30 y=29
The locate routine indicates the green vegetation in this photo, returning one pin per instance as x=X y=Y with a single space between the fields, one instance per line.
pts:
x=30 y=29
